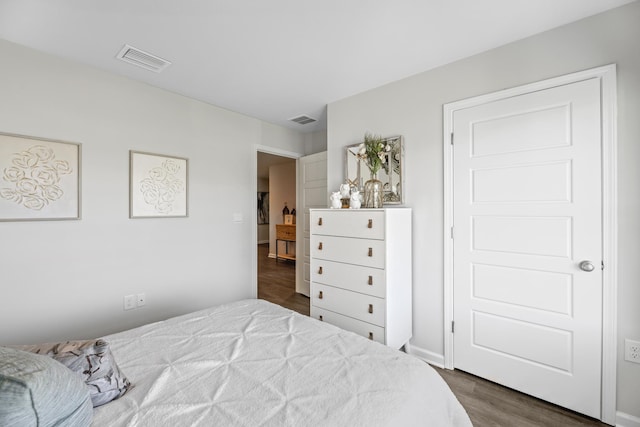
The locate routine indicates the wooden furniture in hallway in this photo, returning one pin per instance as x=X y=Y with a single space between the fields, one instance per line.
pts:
x=285 y=233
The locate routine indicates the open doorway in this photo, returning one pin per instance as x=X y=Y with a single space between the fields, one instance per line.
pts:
x=276 y=246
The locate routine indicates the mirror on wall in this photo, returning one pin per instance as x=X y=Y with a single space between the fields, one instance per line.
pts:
x=391 y=174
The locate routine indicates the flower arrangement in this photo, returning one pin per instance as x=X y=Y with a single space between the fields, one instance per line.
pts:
x=374 y=151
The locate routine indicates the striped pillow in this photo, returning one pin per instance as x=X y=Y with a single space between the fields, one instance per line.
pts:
x=38 y=391
x=92 y=360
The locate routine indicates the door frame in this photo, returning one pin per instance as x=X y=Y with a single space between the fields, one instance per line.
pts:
x=301 y=250
x=254 y=203
x=607 y=76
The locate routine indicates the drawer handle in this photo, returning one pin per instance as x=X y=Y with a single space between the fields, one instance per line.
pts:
x=320 y=295
x=370 y=251
x=320 y=221
x=320 y=246
x=370 y=225
x=371 y=335
x=370 y=282
x=320 y=270
x=370 y=307
x=321 y=319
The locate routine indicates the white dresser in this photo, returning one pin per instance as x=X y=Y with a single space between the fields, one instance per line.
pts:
x=361 y=271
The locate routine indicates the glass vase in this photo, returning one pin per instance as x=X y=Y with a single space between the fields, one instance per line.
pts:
x=373 y=192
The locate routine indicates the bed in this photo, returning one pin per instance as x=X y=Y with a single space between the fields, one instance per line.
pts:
x=253 y=363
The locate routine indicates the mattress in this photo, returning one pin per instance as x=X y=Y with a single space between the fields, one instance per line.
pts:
x=253 y=363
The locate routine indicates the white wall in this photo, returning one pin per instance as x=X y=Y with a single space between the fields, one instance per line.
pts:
x=282 y=189
x=315 y=142
x=67 y=279
x=413 y=107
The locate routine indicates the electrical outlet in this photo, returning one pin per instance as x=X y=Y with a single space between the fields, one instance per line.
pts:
x=129 y=302
x=632 y=351
x=142 y=300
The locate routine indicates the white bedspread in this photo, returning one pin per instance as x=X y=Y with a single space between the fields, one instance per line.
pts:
x=252 y=363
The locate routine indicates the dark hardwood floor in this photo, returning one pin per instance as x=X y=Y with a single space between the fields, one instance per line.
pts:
x=277 y=282
x=488 y=404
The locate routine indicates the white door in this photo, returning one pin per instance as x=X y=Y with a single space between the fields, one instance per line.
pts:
x=312 y=193
x=527 y=215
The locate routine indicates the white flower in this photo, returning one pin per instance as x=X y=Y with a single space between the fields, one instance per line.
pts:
x=11 y=195
x=45 y=175
x=52 y=192
x=157 y=173
x=25 y=160
x=171 y=166
x=43 y=153
x=13 y=174
x=27 y=186
x=34 y=202
x=62 y=166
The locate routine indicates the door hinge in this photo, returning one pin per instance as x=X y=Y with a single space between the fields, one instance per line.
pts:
x=451 y=232
x=451 y=138
x=601 y=265
x=453 y=327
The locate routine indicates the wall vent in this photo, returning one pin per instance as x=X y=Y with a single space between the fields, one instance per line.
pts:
x=142 y=59
x=303 y=120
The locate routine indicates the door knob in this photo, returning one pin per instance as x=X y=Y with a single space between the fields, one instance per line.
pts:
x=587 y=266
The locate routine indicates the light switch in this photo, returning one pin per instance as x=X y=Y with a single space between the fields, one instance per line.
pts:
x=237 y=217
x=129 y=302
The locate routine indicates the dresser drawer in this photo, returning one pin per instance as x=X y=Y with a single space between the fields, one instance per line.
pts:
x=352 y=304
x=367 y=330
x=286 y=232
x=347 y=250
x=364 y=224
x=366 y=280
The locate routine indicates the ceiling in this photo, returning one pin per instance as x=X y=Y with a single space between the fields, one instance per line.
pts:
x=279 y=59
x=266 y=160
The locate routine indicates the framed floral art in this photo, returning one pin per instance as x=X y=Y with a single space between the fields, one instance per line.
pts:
x=158 y=185
x=39 y=179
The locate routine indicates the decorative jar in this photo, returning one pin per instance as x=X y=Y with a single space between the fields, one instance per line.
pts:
x=373 y=192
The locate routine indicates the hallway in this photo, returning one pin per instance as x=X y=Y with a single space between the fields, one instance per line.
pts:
x=277 y=282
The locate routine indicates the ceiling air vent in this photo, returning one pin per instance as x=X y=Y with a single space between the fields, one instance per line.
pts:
x=303 y=120
x=142 y=59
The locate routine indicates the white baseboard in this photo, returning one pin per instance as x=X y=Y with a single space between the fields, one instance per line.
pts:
x=262 y=242
x=626 y=420
x=426 y=355
x=272 y=255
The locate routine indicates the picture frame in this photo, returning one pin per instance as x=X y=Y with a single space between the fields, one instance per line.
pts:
x=158 y=185
x=288 y=219
x=391 y=174
x=263 y=207
x=40 y=178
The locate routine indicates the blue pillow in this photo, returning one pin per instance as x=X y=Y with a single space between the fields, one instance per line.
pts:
x=38 y=391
